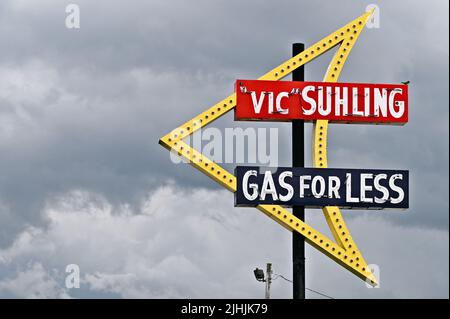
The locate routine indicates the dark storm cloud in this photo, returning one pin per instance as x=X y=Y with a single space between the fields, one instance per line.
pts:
x=133 y=72
x=83 y=109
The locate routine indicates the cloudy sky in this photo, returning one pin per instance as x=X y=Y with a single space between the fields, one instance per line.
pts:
x=83 y=180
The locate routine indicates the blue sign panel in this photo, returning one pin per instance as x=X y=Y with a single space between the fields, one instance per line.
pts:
x=317 y=187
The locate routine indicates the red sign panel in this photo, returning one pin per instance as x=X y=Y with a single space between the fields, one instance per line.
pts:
x=336 y=102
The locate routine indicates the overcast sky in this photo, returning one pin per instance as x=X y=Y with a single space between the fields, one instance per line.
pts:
x=83 y=180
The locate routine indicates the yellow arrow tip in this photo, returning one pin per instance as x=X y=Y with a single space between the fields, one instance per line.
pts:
x=372 y=280
x=369 y=13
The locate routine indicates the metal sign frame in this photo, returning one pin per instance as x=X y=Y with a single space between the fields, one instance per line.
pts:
x=344 y=251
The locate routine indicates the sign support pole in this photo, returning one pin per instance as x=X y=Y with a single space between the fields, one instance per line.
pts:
x=298 y=160
x=268 y=279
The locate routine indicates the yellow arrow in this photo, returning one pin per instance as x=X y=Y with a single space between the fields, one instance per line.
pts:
x=344 y=251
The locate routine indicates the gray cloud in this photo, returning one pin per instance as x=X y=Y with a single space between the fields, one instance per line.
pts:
x=83 y=109
x=195 y=243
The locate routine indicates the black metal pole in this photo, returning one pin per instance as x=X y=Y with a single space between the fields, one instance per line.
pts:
x=298 y=160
